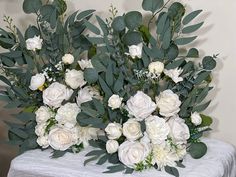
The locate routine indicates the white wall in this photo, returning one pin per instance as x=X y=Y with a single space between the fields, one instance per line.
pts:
x=217 y=36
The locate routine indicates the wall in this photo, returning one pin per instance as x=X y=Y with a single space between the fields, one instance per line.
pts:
x=217 y=36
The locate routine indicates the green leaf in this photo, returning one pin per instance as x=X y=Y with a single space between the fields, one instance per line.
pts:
x=132 y=38
x=109 y=75
x=60 y=5
x=202 y=76
x=193 y=53
x=166 y=39
x=197 y=150
x=98 y=65
x=191 y=16
x=208 y=63
x=175 y=64
x=90 y=75
x=118 y=23
x=19 y=132
x=84 y=14
x=172 y=170
x=99 y=106
x=89 y=111
x=114 y=169
x=185 y=40
x=102 y=25
x=103 y=159
x=31 y=6
x=31 y=32
x=192 y=28
x=206 y=120
x=172 y=52
x=95 y=153
x=152 y=5
x=56 y=154
x=49 y=13
x=202 y=95
x=105 y=87
x=133 y=19
x=161 y=22
x=119 y=83
x=5 y=80
x=92 y=27
x=90 y=160
x=201 y=107
x=145 y=33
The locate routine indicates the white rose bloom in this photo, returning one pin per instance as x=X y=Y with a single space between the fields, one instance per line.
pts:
x=156 y=67
x=87 y=133
x=113 y=131
x=140 y=106
x=132 y=152
x=179 y=131
x=43 y=141
x=34 y=43
x=62 y=138
x=168 y=103
x=74 y=78
x=196 y=118
x=180 y=152
x=87 y=94
x=66 y=115
x=68 y=59
x=136 y=50
x=40 y=129
x=37 y=82
x=85 y=64
x=43 y=114
x=132 y=130
x=112 y=146
x=55 y=94
x=157 y=129
x=115 y=101
x=174 y=74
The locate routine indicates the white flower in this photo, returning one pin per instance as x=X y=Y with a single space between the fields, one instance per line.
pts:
x=174 y=74
x=157 y=129
x=66 y=115
x=132 y=152
x=43 y=141
x=68 y=59
x=168 y=103
x=136 y=50
x=74 y=78
x=179 y=131
x=40 y=129
x=62 y=138
x=112 y=146
x=87 y=94
x=132 y=130
x=87 y=133
x=113 y=131
x=180 y=151
x=156 y=67
x=163 y=156
x=34 y=43
x=43 y=114
x=55 y=94
x=140 y=106
x=85 y=64
x=115 y=101
x=196 y=118
x=37 y=82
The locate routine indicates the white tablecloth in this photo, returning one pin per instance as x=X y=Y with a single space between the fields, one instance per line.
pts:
x=220 y=161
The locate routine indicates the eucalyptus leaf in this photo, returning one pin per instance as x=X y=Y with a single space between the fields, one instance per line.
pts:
x=193 y=53
x=90 y=75
x=31 y=6
x=188 y=18
x=91 y=27
x=152 y=5
x=192 y=28
x=118 y=23
x=208 y=63
x=197 y=150
x=133 y=19
x=185 y=40
x=132 y=38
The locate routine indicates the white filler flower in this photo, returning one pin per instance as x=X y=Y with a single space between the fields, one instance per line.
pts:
x=174 y=74
x=112 y=146
x=34 y=43
x=156 y=67
x=87 y=133
x=115 y=101
x=196 y=118
x=68 y=59
x=136 y=50
x=74 y=78
x=37 y=82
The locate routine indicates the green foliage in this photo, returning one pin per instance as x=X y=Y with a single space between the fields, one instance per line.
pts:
x=191 y=16
x=32 y=6
x=208 y=63
x=118 y=23
x=172 y=170
x=133 y=20
x=206 y=120
x=90 y=75
x=197 y=150
x=152 y=5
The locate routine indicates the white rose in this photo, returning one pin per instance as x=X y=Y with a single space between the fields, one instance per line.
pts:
x=168 y=103
x=132 y=130
x=179 y=131
x=43 y=141
x=156 y=67
x=132 y=152
x=68 y=59
x=43 y=114
x=40 y=129
x=55 y=94
x=115 y=101
x=34 y=43
x=87 y=133
x=196 y=118
x=140 y=106
x=66 y=115
x=85 y=64
x=112 y=146
x=74 y=78
x=87 y=94
x=113 y=130
x=157 y=129
x=37 y=82
x=174 y=74
x=136 y=50
x=62 y=138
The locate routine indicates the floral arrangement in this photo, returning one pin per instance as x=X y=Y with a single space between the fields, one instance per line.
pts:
x=129 y=89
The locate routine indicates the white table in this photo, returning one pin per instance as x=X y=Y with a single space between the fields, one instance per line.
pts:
x=220 y=161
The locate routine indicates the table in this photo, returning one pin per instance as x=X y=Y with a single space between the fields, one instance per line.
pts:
x=220 y=161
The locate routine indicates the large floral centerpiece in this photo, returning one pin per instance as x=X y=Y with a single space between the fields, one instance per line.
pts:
x=128 y=86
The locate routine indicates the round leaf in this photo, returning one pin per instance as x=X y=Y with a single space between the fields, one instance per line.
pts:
x=31 y=6
x=197 y=150
x=118 y=23
x=90 y=75
x=133 y=19
x=152 y=5
x=208 y=63
x=173 y=52
x=132 y=38
x=31 y=32
x=60 y=5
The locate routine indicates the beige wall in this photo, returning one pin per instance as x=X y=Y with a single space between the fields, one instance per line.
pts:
x=217 y=36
